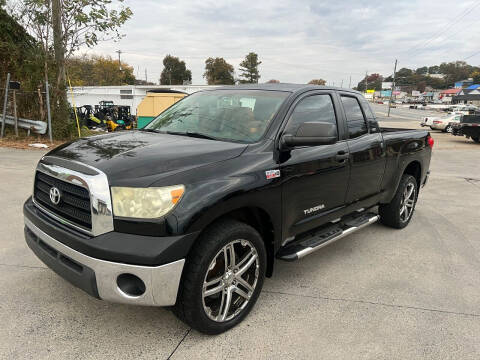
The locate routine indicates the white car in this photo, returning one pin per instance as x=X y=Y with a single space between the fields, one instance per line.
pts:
x=438 y=123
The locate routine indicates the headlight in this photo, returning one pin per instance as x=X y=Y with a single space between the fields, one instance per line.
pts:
x=145 y=203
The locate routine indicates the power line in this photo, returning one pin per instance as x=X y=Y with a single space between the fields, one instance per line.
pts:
x=468 y=57
x=436 y=35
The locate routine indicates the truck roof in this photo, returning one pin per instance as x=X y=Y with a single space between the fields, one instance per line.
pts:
x=282 y=87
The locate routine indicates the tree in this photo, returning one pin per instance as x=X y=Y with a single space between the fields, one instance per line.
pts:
x=435 y=69
x=218 y=72
x=99 y=70
x=422 y=70
x=317 y=82
x=249 y=69
x=65 y=26
x=475 y=76
x=374 y=82
x=273 y=81
x=174 y=71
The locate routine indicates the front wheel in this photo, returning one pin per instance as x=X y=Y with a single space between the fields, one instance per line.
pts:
x=222 y=278
x=476 y=139
x=448 y=129
x=399 y=211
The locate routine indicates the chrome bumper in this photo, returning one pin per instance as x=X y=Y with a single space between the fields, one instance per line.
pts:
x=161 y=282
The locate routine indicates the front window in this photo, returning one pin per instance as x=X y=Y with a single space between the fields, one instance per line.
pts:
x=229 y=115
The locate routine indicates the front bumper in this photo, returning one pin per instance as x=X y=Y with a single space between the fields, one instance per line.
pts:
x=99 y=277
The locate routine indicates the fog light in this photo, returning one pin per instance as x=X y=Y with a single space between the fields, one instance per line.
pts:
x=131 y=285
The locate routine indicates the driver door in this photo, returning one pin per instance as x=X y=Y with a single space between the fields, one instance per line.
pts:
x=315 y=178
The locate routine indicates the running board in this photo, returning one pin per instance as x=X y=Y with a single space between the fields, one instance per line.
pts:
x=300 y=248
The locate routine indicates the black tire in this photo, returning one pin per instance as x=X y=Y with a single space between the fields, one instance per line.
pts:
x=448 y=129
x=390 y=214
x=476 y=139
x=190 y=301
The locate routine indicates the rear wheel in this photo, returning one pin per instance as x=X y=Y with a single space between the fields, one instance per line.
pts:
x=223 y=277
x=448 y=129
x=476 y=139
x=399 y=211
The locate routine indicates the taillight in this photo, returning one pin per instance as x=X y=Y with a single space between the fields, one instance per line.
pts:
x=437 y=122
x=430 y=141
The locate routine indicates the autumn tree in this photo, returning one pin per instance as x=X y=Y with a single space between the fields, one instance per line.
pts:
x=475 y=76
x=249 y=69
x=317 y=82
x=374 y=82
x=218 y=72
x=99 y=70
x=65 y=26
x=174 y=71
x=273 y=81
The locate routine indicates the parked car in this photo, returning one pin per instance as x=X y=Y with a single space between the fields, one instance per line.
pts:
x=442 y=123
x=193 y=210
x=469 y=126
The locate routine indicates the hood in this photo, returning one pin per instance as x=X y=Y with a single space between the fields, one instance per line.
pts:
x=145 y=157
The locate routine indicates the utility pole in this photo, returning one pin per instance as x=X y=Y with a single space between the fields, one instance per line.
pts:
x=341 y=84
x=146 y=78
x=350 y=82
x=393 y=87
x=366 y=81
x=119 y=62
x=5 y=104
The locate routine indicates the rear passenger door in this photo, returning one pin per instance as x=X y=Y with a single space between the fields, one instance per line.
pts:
x=365 y=144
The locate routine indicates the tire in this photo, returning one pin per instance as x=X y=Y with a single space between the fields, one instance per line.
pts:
x=448 y=129
x=476 y=139
x=393 y=214
x=206 y=313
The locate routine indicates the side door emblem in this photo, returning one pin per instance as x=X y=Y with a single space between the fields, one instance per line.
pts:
x=272 y=174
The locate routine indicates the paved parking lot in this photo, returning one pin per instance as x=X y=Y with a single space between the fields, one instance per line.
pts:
x=378 y=294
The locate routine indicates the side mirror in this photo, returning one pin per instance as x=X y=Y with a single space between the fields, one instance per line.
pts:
x=311 y=134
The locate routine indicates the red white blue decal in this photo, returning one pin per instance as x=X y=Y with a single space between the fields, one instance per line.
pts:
x=272 y=174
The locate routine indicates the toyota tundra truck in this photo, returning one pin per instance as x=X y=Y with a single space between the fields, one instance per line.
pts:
x=193 y=210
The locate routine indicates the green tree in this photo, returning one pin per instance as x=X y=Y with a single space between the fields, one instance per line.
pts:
x=249 y=69
x=317 y=82
x=174 y=71
x=422 y=70
x=218 y=72
x=374 y=82
x=435 y=69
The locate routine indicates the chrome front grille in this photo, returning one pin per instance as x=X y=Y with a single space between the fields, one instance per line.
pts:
x=74 y=204
x=84 y=200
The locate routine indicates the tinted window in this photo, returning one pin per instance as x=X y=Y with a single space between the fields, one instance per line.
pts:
x=355 y=121
x=316 y=108
x=372 y=121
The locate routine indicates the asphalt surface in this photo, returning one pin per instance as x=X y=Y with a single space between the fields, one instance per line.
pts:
x=377 y=294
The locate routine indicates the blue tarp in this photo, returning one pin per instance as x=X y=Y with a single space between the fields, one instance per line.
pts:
x=473 y=87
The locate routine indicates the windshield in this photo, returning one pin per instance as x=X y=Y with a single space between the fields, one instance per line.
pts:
x=230 y=115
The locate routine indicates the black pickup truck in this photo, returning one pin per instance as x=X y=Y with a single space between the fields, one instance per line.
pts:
x=193 y=210
x=469 y=126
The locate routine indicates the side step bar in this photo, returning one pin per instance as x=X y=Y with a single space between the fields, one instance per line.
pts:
x=300 y=248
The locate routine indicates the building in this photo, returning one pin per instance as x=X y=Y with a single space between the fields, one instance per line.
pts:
x=447 y=95
x=129 y=95
x=463 y=83
x=469 y=95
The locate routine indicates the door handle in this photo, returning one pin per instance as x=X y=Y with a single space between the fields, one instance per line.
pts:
x=342 y=156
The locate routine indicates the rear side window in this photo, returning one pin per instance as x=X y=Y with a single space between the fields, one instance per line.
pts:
x=372 y=121
x=355 y=121
x=315 y=108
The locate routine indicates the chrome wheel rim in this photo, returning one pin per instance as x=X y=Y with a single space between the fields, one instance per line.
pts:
x=230 y=280
x=449 y=129
x=408 y=202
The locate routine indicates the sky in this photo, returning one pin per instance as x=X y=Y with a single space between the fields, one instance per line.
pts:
x=299 y=40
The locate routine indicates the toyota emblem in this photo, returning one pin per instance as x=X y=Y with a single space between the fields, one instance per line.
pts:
x=54 y=195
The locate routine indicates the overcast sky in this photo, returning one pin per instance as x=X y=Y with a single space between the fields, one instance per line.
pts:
x=300 y=40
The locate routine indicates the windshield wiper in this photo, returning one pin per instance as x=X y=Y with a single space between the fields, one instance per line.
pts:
x=151 y=130
x=192 y=134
